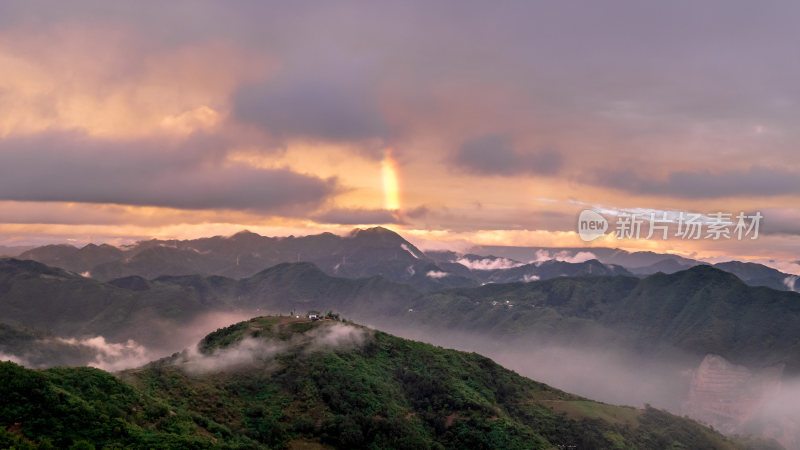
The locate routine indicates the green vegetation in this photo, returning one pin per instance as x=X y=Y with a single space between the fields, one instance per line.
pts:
x=699 y=311
x=331 y=384
x=88 y=408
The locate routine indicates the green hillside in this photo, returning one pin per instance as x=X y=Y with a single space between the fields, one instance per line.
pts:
x=281 y=382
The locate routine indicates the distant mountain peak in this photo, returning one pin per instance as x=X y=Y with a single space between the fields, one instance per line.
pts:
x=731 y=266
x=292 y=268
x=13 y=265
x=377 y=234
x=704 y=268
x=374 y=231
x=707 y=272
x=245 y=233
x=133 y=283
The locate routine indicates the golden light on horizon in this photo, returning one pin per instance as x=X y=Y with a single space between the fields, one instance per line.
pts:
x=391 y=185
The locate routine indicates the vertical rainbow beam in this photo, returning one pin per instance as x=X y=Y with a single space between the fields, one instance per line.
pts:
x=391 y=185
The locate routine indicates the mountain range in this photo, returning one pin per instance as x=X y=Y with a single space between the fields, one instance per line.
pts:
x=698 y=311
x=371 y=252
x=679 y=318
x=655 y=338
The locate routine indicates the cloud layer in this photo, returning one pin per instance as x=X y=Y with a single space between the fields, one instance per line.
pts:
x=756 y=181
x=185 y=173
x=325 y=107
x=493 y=155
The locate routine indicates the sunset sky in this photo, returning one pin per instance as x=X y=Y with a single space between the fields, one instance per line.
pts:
x=451 y=122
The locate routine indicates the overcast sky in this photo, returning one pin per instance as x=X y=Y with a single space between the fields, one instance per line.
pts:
x=126 y=120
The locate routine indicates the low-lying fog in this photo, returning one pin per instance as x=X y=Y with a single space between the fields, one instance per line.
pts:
x=163 y=339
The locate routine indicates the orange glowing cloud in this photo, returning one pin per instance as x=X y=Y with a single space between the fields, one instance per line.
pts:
x=82 y=78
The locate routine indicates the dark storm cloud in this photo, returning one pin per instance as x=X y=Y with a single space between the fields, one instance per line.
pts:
x=343 y=216
x=493 y=155
x=324 y=103
x=178 y=173
x=757 y=181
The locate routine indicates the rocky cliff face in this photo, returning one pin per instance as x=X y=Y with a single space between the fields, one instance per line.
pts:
x=737 y=400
